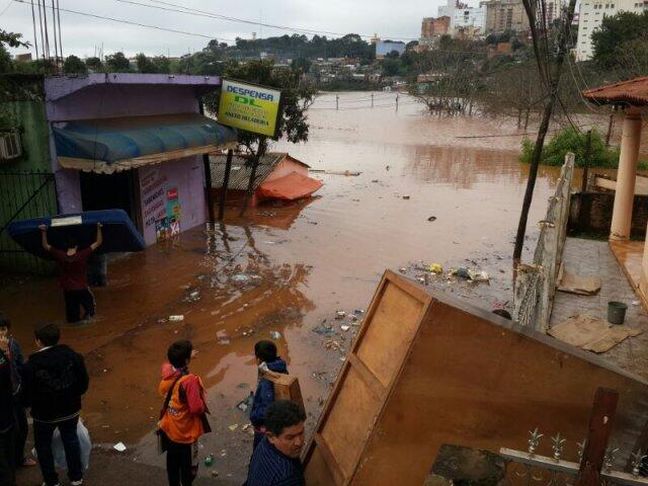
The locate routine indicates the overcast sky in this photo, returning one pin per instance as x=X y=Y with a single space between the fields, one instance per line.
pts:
x=389 y=18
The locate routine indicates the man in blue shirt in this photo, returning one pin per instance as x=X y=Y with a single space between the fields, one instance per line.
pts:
x=275 y=461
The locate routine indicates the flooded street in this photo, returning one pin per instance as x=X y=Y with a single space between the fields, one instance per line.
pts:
x=287 y=269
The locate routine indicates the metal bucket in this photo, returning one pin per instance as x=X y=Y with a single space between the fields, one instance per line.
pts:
x=616 y=312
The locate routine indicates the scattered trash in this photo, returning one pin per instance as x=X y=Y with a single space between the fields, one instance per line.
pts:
x=480 y=276
x=240 y=278
x=276 y=335
x=233 y=427
x=209 y=460
x=635 y=302
x=345 y=328
x=214 y=474
x=119 y=447
x=432 y=219
x=176 y=318
x=358 y=312
x=223 y=453
x=402 y=270
x=246 y=426
x=340 y=315
x=435 y=268
x=324 y=330
x=243 y=405
x=375 y=181
x=462 y=273
x=406 y=197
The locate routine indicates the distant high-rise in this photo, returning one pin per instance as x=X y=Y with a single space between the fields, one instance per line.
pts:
x=590 y=16
x=505 y=15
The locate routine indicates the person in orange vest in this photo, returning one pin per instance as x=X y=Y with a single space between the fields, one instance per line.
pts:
x=183 y=418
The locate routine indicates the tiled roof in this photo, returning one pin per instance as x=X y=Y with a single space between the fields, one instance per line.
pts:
x=240 y=174
x=633 y=92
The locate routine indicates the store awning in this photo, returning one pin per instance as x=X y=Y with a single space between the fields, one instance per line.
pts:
x=116 y=144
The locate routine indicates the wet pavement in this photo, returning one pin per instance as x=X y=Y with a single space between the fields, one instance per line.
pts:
x=288 y=269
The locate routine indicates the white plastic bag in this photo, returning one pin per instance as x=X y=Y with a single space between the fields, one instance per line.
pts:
x=58 y=451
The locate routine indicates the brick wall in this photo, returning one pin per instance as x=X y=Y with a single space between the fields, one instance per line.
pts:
x=591 y=213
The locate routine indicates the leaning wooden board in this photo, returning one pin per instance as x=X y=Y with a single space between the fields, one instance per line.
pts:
x=427 y=370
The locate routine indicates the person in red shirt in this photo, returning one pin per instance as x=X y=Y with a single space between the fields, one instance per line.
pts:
x=73 y=264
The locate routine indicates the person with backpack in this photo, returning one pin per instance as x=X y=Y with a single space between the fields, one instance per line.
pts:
x=183 y=418
x=267 y=359
x=54 y=380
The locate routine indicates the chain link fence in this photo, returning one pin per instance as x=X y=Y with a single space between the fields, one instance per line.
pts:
x=535 y=284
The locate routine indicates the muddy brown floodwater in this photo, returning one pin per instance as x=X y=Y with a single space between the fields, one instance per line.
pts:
x=287 y=269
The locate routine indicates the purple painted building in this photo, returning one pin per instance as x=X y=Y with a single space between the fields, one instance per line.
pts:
x=135 y=142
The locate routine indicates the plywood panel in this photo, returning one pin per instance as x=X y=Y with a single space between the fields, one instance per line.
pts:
x=350 y=421
x=389 y=332
x=318 y=473
x=474 y=380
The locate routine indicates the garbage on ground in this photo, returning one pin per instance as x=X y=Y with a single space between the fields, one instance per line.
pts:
x=435 y=268
x=358 y=312
x=214 y=474
x=243 y=405
x=345 y=328
x=275 y=335
x=431 y=219
x=406 y=197
x=233 y=427
x=461 y=273
x=635 y=303
x=176 y=318
x=475 y=276
x=402 y=270
x=246 y=426
x=324 y=330
x=209 y=460
x=340 y=315
x=119 y=447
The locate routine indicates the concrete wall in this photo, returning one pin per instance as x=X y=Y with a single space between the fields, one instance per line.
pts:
x=186 y=176
x=17 y=186
x=591 y=213
x=118 y=100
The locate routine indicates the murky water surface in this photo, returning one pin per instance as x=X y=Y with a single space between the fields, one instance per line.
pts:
x=287 y=268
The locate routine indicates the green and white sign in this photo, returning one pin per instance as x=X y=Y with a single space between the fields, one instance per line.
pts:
x=249 y=107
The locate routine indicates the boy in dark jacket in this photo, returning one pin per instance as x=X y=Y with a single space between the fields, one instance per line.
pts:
x=54 y=379
x=7 y=427
x=16 y=362
x=266 y=356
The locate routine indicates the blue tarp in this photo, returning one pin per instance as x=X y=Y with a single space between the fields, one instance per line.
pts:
x=119 y=232
x=114 y=139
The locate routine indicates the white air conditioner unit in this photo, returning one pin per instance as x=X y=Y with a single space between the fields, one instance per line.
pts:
x=10 y=147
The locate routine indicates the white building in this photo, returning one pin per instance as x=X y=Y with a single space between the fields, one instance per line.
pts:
x=448 y=9
x=590 y=16
x=470 y=17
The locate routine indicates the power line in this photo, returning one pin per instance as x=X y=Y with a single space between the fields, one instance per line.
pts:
x=128 y=22
x=173 y=7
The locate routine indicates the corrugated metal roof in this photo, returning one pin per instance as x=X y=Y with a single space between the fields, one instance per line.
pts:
x=633 y=92
x=240 y=174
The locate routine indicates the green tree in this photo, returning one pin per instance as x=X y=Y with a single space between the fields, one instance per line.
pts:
x=74 y=65
x=570 y=140
x=301 y=64
x=10 y=39
x=144 y=64
x=94 y=64
x=117 y=63
x=609 y=39
x=296 y=97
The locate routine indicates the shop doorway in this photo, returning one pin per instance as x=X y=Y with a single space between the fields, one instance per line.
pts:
x=111 y=191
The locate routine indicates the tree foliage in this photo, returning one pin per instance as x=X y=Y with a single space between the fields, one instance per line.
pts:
x=570 y=140
x=74 y=65
x=117 y=63
x=612 y=38
x=94 y=64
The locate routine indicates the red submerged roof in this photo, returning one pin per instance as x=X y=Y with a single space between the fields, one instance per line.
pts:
x=633 y=92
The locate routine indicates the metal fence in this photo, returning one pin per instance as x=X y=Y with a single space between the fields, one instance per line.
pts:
x=535 y=284
x=24 y=195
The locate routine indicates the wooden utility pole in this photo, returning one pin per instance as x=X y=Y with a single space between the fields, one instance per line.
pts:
x=208 y=176
x=600 y=426
x=586 y=162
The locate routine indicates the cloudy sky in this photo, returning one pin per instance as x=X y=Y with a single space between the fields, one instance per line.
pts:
x=81 y=34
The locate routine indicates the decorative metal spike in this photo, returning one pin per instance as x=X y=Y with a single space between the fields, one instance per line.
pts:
x=558 y=446
x=581 y=449
x=637 y=460
x=534 y=441
x=609 y=458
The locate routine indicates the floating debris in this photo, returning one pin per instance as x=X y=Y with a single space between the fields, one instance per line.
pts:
x=176 y=318
x=339 y=315
x=119 y=447
x=276 y=335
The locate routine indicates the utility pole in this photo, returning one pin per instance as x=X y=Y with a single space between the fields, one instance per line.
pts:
x=372 y=96
x=396 y=101
x=609 y=130
x=337 y=102
x=586 y=162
